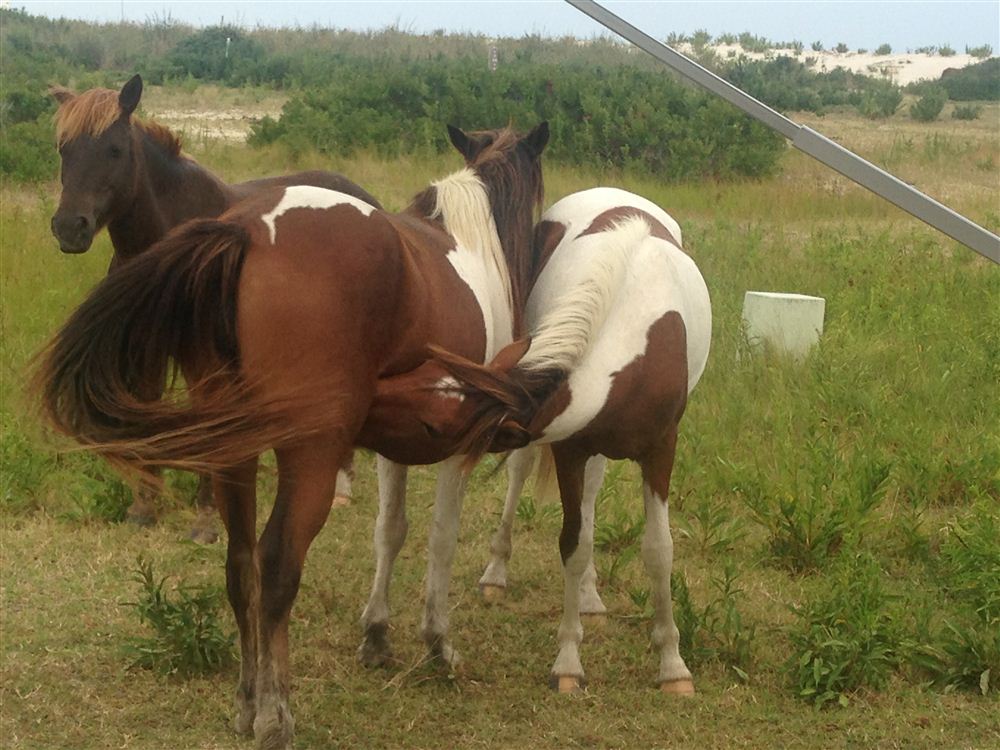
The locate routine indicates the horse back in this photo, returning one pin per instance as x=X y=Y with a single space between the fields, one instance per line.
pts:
x=314 y=178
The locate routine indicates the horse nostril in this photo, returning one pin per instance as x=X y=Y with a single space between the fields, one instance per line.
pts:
x=81 y=222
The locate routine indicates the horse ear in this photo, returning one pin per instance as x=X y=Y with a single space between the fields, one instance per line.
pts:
x=131 y=93
x=537 y=138
x=462 y=142
x=61 y=94
x=511 y=354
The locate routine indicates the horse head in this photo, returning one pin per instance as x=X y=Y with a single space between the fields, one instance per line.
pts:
x=98 y=154
x=426 y=414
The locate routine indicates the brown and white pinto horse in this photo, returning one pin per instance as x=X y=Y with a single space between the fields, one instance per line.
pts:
x=132 y=177
x=620 y=320
x=284 y=314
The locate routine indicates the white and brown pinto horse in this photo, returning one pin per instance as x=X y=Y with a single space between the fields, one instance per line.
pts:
x=284 y=315
x=130 y=176
x=620 y=320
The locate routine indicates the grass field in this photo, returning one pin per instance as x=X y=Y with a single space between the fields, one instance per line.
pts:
x=853 y=501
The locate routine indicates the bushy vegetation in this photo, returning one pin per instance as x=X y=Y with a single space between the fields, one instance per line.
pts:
x=614 y=117
x=787 y=84
x=979 y=82
x=966 y=112
x=929 y=106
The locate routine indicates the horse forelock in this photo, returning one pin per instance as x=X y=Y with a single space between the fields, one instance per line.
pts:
x=94 y=111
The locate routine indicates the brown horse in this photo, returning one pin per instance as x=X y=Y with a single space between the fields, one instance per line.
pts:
x=132 y=177
x=284 y=315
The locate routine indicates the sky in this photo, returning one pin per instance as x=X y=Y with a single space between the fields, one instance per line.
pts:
x=858 y=23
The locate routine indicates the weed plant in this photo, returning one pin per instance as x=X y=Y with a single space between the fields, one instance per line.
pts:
x=188 y=637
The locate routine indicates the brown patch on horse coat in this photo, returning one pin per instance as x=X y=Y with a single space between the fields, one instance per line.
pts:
x=607 y=220
x=646 y=400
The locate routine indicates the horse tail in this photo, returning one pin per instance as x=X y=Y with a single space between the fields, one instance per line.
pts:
x=505 y=407
x=103 y=379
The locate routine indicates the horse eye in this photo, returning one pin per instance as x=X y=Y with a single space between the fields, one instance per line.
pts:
x=115 y=152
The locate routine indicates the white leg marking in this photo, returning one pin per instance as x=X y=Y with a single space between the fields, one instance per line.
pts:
x=390 y=533
x=440 y=553
x=519 y=467
x=593 y=478
x=658 y=555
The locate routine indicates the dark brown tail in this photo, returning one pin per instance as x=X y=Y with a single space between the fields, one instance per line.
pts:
x=505 y=404
x=103 y=378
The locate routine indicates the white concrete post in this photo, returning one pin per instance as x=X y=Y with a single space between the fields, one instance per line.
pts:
x=789 y=323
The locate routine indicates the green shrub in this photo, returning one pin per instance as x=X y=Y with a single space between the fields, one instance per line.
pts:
x=929 y=106
x=841 y=48
x=845 y=638
x=945 y=51
x=880 y=101
x=28 y=151
x=883 y=49
x=979 y=82
x=980 y=53
x=966 y=112
x=187 y=637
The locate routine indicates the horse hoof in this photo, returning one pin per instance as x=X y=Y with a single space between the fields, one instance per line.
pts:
x=594 y=620
x=493 y=593
x=567 y=684
x=141 y=519
x=374 y=650
x=203 y=536
x=677 y=687
x=341 y=501
x=243 y=723
x=273 y=727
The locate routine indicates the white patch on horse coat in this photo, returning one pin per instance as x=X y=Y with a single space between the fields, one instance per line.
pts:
x=478 y=258
x=309 y=196
x=651 y=278
x=448 y=387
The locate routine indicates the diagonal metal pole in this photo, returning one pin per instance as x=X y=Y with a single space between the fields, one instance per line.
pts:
x=808 y=140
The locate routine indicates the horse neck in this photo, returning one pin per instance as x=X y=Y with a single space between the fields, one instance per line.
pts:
x=170 y=190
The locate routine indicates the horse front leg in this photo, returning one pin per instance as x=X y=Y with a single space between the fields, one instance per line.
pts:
x=307 y=477
x=658 y=555
x=236 y=493
x=390 y=534
x=440 y=554
x=493 y=583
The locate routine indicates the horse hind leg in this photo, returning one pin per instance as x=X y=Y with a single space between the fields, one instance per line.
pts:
x=345 y=484
x=592 y=608
x=390 y=534
x=493 y=583
x=237 y=503
x=204 y=530
x=576 y=542
x=440 y=554
x=657 y=555
x=307 y=477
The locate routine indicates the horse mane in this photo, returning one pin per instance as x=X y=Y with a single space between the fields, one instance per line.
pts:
x=462 y=203
x=96 y=110
x=503 y=166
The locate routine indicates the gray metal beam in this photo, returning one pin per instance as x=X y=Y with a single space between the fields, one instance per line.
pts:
x=807 y=140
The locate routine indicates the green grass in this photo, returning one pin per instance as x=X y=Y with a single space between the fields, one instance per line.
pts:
x=891 y=423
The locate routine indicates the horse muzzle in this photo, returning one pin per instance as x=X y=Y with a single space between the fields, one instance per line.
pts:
x=74 y=232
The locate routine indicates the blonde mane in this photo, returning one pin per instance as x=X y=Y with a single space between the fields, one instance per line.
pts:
x=463 y=206
x=96 y=110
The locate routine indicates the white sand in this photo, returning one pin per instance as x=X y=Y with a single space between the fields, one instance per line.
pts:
x=900 y=68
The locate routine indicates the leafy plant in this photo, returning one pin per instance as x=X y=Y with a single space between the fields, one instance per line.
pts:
x=880 y=101
x=966 y=112
x=929 y=106
x=711 y=525
x=841 y=48
x=187 y=636
x=846 y=638
x=883 y=49
x=717 y=630
x=946 y=51
x=980 y=53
